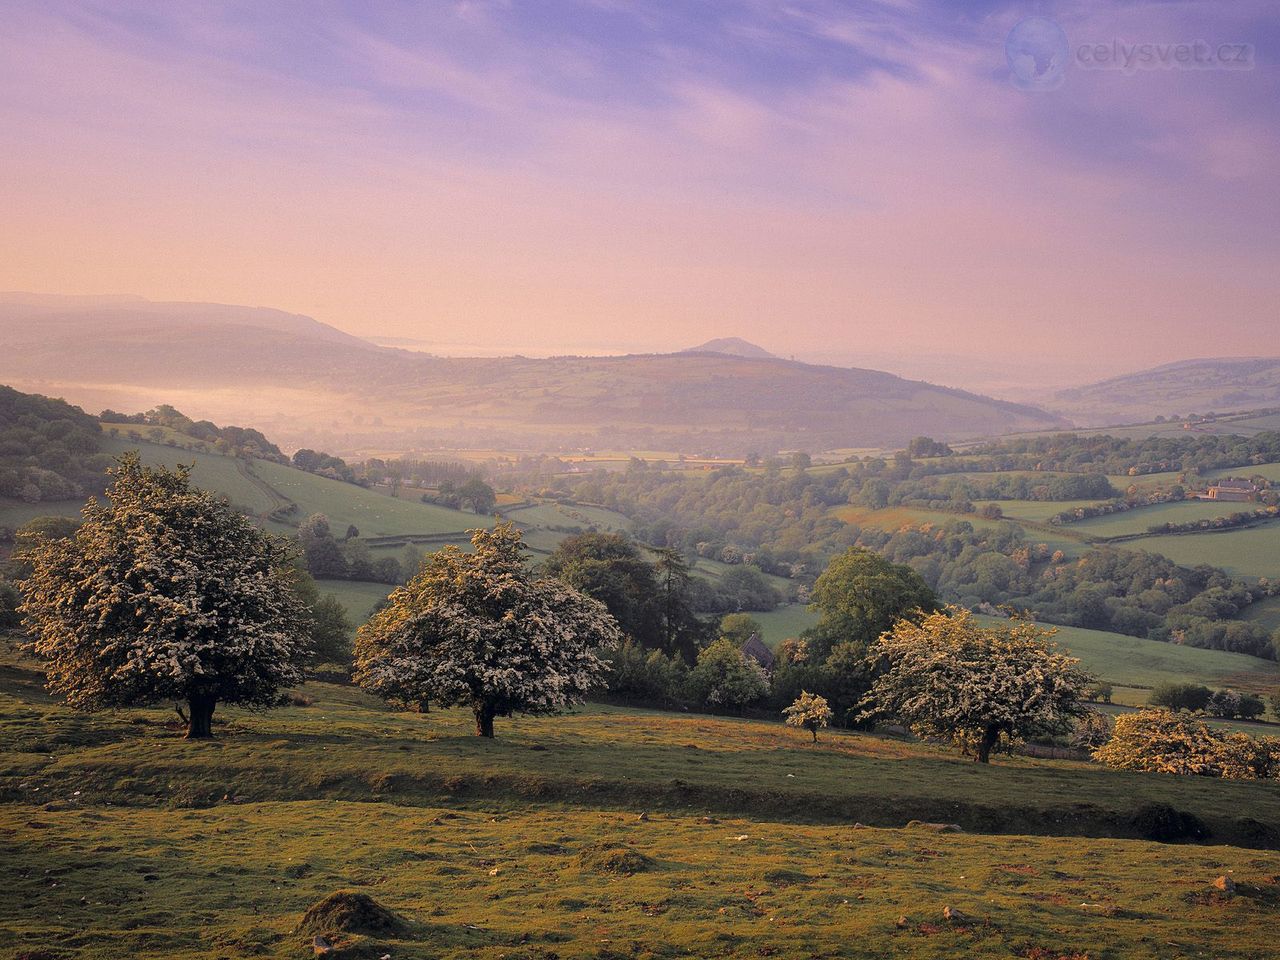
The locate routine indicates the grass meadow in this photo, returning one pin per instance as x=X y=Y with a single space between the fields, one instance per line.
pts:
x=607 y=833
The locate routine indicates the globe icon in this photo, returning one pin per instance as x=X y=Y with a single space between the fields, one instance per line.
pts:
x=1037 y=51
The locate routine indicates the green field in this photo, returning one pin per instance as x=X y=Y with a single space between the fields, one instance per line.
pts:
x=1270 y=471
x=1265 y=612
x=124 y=840
x=1141 y=664
x=1249 y=552
x=359 y=598
x=1141 y=519
x=788 y=620
x=568 y=516
x=228 y=476
x=1038 y=511
x=374 y=514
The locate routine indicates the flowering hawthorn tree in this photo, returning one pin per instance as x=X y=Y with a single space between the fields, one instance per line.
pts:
x=810 y=712
x=478 y=630
x=165 y=593
x=948 y=676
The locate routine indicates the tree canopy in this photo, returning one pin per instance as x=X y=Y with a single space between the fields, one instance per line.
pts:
x=949 y=676
x=165 y=592
x=861 y=595
x=479 y=630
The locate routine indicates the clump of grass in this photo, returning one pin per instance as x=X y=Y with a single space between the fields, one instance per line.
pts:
x=348 y=912
x=608 y=858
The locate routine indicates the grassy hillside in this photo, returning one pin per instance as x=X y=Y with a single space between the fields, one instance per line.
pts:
x=1189 y=386
x=1249 y=552
x=1141 y=664
x=1140 y=519
x=375 y=514
x=532 y=844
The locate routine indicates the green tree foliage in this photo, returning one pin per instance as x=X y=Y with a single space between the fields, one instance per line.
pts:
x=611 y=568
x=10 y=601
x=477 y=495
x=947 y=676
x=738 y=628
x=725 y=679
x=478 y=630
x=809 y=712
x=329 y=631
x=641 y=676
x=1179 y=696
x=49 y=450
x=165 y=593
x=861 y=595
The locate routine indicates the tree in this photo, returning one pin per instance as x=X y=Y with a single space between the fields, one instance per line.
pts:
x=809 y=712
x=1162 y=741
x=861 y=595
x=478 y=494
x=166 y=593
x=738 y=628
x=1180 y=696
x=610 y=568
x=680 y=628
x=328 y=629
x=725 y=677
x=10 y=601
x=321 y=551
x=948 y=676
x=478 y=630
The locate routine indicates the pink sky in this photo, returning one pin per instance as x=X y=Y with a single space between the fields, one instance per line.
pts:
x=845 y=179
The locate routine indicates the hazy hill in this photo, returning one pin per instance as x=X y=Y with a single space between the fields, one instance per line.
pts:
x=732 y=347
x=308 y=383
x=1188 y=386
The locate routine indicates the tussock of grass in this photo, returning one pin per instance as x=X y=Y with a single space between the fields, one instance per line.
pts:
x=350 y=912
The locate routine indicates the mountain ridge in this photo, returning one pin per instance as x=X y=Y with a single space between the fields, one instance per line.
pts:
x=311 y=383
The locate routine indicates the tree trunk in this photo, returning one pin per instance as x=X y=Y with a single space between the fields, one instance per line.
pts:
x=200 y=725
x=814 y=731
x=484 y=719
x=990 y=737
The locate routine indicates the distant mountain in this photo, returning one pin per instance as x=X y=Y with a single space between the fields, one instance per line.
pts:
x=1188 y=386
x=732 y=347
x=306 y=383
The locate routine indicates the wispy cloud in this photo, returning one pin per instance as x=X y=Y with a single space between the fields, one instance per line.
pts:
x=812 y=172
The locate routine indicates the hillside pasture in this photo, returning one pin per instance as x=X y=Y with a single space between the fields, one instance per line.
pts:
x=1138 y=665
x=787 y=620
x=564 y=516
x=1140 y=519
x=374 y=514
x=1249 y=552
x=475 y=881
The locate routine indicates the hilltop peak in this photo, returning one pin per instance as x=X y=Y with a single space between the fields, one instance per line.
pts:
x=732 y=347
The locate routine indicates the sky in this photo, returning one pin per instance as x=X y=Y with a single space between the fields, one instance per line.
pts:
x=828 y=179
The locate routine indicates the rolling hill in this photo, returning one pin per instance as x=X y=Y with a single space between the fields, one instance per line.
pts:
x=1188 y=386
x=732 y=347
x=309 y=384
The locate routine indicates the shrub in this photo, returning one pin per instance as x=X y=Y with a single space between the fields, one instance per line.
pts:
x=1180 y=696
x=1159 y=741
x=809 y=712
x=725 y=677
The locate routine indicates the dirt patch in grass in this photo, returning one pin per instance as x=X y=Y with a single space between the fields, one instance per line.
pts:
x=605 y=858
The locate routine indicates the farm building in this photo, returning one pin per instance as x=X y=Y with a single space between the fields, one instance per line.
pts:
x=757 y=651
x=1238 y=491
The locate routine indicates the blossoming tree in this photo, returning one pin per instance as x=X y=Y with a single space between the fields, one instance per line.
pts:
x=479 y=630
x=165 y=592
x=949 y=676
x=809 y=712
